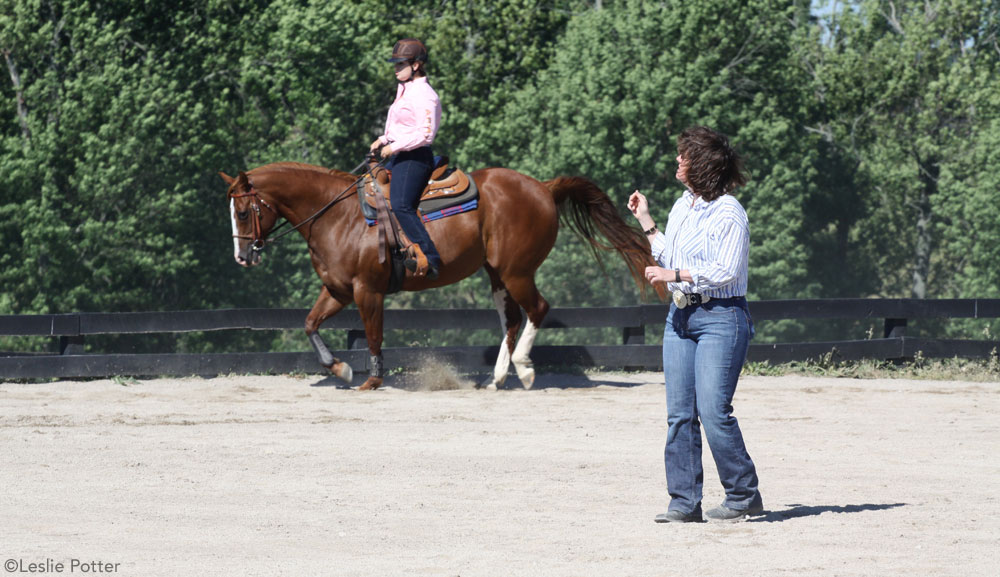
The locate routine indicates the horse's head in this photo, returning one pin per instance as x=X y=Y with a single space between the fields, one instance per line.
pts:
x=252 y=217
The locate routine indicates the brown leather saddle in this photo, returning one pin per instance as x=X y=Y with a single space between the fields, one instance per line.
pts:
x=447 y=187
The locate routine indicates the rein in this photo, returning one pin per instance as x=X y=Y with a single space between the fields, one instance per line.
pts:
x=258 y=238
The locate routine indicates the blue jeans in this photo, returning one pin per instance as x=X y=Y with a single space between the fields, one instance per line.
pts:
x=411 y=169
x=704 y=348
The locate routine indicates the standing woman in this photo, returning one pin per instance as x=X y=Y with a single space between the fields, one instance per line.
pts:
x=410 y=128
x=703 y=255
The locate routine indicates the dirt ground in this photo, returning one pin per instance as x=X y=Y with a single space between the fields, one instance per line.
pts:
x=281 y=475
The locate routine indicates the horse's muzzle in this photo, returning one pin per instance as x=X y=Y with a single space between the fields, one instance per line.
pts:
x=249 y=256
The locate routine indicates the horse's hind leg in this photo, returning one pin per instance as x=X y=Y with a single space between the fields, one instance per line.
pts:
x=510 y=323
x=524 y=291
x=326 y=306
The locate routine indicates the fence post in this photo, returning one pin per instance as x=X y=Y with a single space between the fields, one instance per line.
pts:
x=356 y=339
x=894 y=328
x=71 y=345
x=634 y=335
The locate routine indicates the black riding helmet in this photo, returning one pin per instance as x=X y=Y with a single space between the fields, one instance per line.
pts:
x=409 y=49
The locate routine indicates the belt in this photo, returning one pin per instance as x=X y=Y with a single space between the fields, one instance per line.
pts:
x=684 y=300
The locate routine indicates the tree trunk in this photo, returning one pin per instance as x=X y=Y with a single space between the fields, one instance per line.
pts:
x=22 y=110
x=922 y=250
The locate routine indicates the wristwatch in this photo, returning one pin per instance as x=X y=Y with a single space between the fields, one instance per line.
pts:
x=650 y=230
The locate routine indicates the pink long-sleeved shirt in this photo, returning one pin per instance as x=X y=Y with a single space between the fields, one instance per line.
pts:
x=413 y=117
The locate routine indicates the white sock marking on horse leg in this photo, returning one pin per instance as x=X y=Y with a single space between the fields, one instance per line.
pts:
x=503 y=359
x=236 y=241
x=522 y=362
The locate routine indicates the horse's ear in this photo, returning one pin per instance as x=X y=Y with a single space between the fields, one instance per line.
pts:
x=229 y=180
x=243 y=181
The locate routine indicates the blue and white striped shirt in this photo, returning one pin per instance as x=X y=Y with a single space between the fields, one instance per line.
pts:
x=709 y=239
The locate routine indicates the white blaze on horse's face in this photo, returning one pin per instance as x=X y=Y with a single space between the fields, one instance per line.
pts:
x=243 y=240
x=236 y=241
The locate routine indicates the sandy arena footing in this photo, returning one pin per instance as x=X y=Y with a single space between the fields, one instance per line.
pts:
x=279 y=475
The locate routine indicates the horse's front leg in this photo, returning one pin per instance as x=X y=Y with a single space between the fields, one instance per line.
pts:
x=326 y=306
x=370 y=306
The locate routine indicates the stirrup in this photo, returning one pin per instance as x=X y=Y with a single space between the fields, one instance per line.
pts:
x=411 y=265
x=416 y=261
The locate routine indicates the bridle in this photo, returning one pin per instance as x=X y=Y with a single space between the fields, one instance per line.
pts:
x=258 y=240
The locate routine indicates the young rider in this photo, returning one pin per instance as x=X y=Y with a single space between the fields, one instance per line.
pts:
x=410 y=128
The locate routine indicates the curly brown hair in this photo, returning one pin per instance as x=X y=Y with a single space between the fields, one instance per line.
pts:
x=714 y=166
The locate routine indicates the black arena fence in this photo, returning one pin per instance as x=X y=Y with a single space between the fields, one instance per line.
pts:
x=632 y=353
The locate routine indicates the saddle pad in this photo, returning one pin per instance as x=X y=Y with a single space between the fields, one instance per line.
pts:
x=438 y=215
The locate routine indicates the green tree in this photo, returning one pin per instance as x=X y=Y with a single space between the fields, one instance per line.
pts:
x=118 y=114
x=626 y=80
x=901 y=101
x=871 y=133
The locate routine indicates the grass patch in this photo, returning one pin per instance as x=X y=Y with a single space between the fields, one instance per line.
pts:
x=919 y=367
x=124 y=381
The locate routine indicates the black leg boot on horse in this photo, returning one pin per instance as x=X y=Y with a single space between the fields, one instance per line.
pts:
x=326 y=306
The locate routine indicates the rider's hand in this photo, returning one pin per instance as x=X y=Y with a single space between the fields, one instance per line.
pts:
x=386 y=151
x=375 y=145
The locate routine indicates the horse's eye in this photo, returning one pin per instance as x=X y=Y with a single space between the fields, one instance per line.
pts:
x=242 y=215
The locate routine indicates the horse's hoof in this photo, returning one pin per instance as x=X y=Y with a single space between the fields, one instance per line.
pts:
x=342 y=371
x=487 y=385
x=527 y=376
x=371 y=384
x=498 y=380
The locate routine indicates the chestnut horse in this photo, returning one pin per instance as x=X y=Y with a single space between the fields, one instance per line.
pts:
x=509 y=234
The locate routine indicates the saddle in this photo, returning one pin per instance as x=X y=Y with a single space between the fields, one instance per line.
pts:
x=447 y=187
x=449 y=191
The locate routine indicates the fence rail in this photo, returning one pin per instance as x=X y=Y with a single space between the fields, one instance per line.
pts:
x=72 y=329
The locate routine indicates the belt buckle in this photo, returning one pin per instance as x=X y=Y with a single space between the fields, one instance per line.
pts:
x=682 y=299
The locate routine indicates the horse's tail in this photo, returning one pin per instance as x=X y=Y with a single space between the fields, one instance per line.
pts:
x=589 y=212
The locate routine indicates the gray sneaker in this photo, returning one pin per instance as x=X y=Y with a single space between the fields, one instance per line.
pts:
x=723 y=514
x=679 y=517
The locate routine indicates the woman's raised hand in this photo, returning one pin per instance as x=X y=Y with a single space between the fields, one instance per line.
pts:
x=638 y=205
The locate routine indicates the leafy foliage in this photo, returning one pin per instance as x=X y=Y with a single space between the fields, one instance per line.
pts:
x=871 y=131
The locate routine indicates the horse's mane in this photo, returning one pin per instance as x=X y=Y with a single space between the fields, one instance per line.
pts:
x=281 y=166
